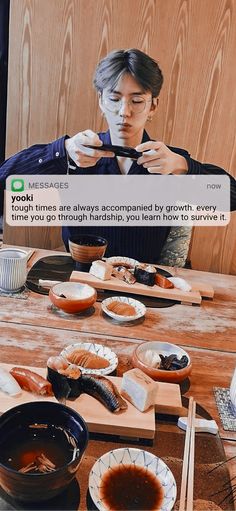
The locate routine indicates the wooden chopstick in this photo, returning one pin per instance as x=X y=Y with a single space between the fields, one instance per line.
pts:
x=188 y=460
x=191 y=461
x=30 y=254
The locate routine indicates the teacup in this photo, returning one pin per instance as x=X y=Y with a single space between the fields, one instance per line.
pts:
x=85 y=249
x=13 y=269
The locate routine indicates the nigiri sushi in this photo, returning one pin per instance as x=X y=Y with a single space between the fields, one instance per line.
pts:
x=8 y=383
x=104 y=390
x=31 y=381
x=180 y=283
x=163 y=281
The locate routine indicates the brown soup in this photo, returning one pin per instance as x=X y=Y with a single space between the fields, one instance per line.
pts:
x=37 y=448
x=129 y=487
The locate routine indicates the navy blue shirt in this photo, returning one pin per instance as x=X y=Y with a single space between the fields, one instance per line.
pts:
x=141 y=243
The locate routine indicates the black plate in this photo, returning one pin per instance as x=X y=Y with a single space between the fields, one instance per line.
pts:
x=56 y=267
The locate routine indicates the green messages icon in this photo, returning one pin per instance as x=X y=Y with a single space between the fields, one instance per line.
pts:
x=17 y=185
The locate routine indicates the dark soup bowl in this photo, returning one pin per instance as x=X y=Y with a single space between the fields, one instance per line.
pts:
x=41 y=446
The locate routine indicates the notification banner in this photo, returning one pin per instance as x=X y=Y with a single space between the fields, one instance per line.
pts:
x=117 y=200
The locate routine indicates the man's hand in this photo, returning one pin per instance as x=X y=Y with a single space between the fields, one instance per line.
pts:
x=84 y=156
x=159 y=159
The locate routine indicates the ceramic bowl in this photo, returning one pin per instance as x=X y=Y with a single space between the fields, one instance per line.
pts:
x=132 y=456
x=139 y=308
x=87 y=248
x=98 y=349
x=72 y=297
x=37 y=486
x=165 y=348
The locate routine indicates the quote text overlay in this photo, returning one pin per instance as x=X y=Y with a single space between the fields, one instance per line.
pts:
x=117 y=200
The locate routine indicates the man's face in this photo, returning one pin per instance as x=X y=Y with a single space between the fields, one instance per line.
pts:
x=127 y=108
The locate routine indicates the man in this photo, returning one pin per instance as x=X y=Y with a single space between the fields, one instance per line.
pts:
x=128 y=84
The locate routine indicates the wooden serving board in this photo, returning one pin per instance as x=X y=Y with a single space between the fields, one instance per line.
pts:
x=205 y=290
x=155 y=291
x=130 y=423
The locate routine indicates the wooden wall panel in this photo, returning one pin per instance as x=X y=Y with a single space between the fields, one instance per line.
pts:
x=55 y=46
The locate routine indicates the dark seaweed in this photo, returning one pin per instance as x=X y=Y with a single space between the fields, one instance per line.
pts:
x=62 y=386
x=144 y=277
x=172 y=363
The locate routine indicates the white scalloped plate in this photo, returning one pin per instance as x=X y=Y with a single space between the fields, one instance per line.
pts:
x=132 y=456
x=120 y=260
x=140 y=309
x=98 y=349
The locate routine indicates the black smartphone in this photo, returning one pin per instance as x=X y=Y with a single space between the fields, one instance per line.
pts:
x=127 y=152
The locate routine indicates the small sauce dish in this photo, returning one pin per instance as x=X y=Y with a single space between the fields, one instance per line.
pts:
x=123 y=308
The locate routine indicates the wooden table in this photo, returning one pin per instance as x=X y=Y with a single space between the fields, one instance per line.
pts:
x=30 y=331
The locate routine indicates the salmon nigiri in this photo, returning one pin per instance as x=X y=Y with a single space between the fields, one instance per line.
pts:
x=28 y=380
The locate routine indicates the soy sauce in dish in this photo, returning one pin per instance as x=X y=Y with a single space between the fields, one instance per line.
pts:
x=131 y=488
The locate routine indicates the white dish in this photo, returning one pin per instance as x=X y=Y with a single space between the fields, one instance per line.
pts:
x=98 y=349
x=122 y=261
x=140 y=309
x=132 y=456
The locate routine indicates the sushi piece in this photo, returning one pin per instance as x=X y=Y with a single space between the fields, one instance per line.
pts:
x=122 y=273
x=145 y=274
x=8 y=383
x=105 y=391
x=58 y=363
x=180 y=283
x=33 y=382
x=101 y=270
x=61 y=365
x=163 y=282
x=64 y=378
